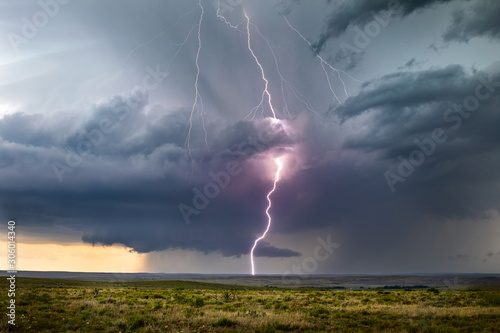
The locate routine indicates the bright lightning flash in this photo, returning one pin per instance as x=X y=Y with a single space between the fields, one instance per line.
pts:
x=196 y=94
x=279 y=163
x=277 y=160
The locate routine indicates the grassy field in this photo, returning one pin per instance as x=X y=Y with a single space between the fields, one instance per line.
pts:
x=47 y=305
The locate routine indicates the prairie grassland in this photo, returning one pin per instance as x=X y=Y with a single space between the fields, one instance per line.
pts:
x=44 y=305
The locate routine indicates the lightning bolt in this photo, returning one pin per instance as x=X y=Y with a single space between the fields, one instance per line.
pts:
x=254 y=110
x=323 y=64
x=155 y=37
x=276 y=180
x=266 y=86
x=202 y=109
x=329 y=71
x=285 y=83
x=180 y=46
x=196 y=95
x=224 y=19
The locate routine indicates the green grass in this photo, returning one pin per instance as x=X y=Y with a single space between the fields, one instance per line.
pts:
x=47 y=305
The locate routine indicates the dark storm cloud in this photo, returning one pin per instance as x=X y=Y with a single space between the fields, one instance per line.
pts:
x=409 y=105
x=478 y=20
x=408 y=89
x=27 y=130
x=266 y=250
x=125 y=168
x=405 y=108
x=124 y=165
x=246 y=138
x=355 y=12
x=132 y=132
x=457 y=182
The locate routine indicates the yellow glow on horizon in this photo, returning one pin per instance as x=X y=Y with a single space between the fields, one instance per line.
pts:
x=73 y=257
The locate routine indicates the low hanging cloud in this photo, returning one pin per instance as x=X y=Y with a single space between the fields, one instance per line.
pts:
x=265 y=249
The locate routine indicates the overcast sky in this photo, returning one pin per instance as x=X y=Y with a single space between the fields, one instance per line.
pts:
x=147 y=126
